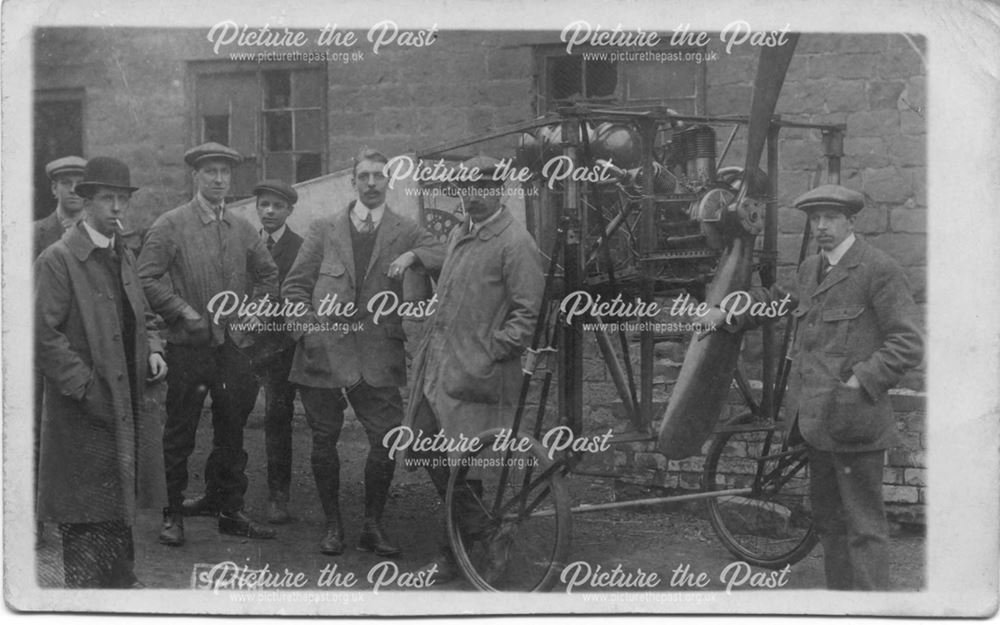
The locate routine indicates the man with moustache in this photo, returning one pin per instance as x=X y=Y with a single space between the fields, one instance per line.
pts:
x=467 y=369
x=64 y=174
x=275 y=202
x=192 y=253
x=351 y=256
x=96 y=342
x=856 y=336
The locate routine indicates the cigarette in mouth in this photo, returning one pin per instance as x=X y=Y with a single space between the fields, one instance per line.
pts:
x=121 y=227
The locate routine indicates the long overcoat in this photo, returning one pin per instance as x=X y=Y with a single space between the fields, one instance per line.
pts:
x=101 y=452
x=468 y=364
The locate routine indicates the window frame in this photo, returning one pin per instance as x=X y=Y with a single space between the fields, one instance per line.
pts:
x=544 y=52
x=199 y=69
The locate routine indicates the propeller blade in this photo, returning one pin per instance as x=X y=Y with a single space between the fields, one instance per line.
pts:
x=771 y=69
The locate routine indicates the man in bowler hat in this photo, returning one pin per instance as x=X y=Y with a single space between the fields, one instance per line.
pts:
x=191 y=254
x=856 y=337
x=97 y=344
x=275 y=202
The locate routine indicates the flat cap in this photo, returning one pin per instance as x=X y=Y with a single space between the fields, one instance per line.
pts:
x=195 y=155
x=65 y=165
x=831 y=196
x=277 y=187
x=486 y=165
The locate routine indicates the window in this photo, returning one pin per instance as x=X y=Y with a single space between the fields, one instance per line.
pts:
x=586 y=77
x=58 y=132
x=274 y=116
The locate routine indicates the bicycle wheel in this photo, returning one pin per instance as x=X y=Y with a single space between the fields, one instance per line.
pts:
x=526 y=535
x=772 y=525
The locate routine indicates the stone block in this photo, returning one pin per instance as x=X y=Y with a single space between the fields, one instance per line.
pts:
x=884 y=94
x=647 y=460
x=842 y=66
x=907 y=249
x=866 y=152
x=800 y=154
x=915 y=477
x=866 y=123
x=899 y=494
x=898 y=457
x=873 y=219
x=912 y=220
x=888 y=184
x=844 y=95
x=912 y=122
x=791 y=221
x=892 y=475
x=908 y=150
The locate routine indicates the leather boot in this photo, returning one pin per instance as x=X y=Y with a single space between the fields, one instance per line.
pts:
x=378 y=479
x=328 y=486
x=172 y=533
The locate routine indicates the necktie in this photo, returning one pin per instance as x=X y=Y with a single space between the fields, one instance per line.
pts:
x=367 y=225
x=824 y=268
x=218 y=212
x=269 y=242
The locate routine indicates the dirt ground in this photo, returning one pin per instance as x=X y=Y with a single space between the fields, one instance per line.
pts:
x=650 y=540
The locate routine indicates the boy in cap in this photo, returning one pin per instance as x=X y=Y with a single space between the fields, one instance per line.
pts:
x=97 y=344
x=856 y=337
x=192 y=253
x=275 y=202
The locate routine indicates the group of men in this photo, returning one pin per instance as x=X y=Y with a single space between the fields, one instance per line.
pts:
x=108 y=325
x=101 y=313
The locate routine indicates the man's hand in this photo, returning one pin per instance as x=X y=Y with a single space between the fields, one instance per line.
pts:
x=401 y=264
x=157 y=368
x=853 y=382
x=714 y=319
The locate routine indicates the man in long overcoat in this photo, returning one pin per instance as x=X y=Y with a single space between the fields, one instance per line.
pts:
x=100 y=456
x=350 y=258
x=467 y=370
x=856 y=337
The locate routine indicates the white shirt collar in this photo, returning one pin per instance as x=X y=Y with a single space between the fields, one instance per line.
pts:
x=475 y=226
x=360 y=211
x=834 y=255
x=99 y=239
x=276 y=235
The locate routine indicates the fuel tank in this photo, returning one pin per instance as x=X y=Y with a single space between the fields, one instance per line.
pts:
x=703 y=383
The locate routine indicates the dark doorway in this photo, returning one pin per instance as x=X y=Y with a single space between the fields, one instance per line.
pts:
x=58 y=132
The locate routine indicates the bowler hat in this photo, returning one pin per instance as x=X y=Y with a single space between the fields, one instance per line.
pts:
x=65 y=165
x=831 y=196
x=278 y=187
x=195 y=155
x=104 y=171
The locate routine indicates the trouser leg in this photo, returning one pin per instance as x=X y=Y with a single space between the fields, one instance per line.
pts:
x=325 y=414
x=859 y=479
x=189 y=376
x=233 y=396
x=379 y=410
x=472 y=518
x=279 y=399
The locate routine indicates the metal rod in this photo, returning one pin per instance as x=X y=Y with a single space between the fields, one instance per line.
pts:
x=725 y=150
x=733 y=492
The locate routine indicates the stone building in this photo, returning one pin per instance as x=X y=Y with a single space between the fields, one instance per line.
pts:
x=146 y=94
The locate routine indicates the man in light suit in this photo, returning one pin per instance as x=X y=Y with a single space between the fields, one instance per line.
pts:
x=857 y=335
x=348 y=258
